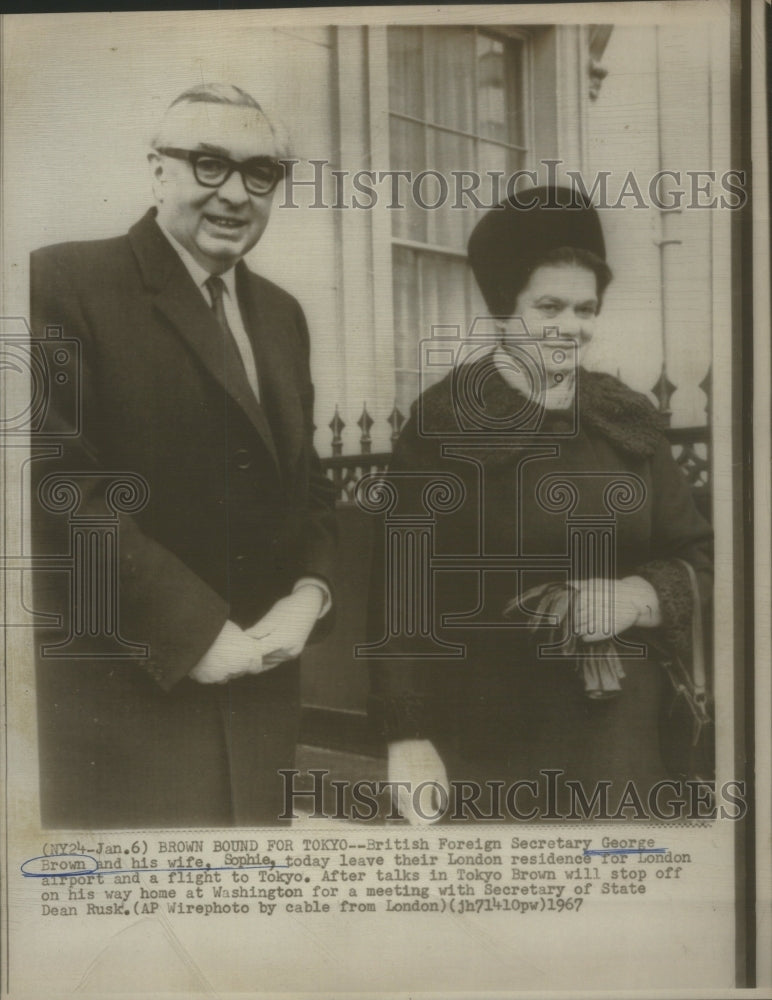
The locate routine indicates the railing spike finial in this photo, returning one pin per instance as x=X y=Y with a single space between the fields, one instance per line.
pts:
x=707 y=387
x=365 y=422
x=396 y=421
x=663 y=389
x=336 y=425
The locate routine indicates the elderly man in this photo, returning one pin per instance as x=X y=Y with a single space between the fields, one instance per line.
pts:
x=194 y=379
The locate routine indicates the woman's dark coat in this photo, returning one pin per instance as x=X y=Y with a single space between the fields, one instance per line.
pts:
x=501 y=711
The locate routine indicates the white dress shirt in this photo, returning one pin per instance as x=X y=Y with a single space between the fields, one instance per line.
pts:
x=230 y=303
x=233 y=645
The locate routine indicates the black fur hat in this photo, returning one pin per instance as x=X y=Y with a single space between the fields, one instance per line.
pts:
x=513 y=238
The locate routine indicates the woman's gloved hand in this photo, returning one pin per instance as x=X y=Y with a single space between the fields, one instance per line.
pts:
x=602 y=608
x=587 y=615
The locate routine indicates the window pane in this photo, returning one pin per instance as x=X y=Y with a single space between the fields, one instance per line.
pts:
x=407 y=153
x=477 y=306
x=498 y=158
x=515 y=82
x=406 y=71
x=429 y=289
x=446 y=153
x=499 y=83
x=444 y=292
x=449 y=80
x=407 y=306
x=406 y=390
x=407 y=321
x=466 y=87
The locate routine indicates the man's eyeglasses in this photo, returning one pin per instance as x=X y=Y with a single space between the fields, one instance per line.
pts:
x=260 y=174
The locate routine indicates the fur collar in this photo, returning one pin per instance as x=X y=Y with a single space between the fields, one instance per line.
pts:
x=624 y=417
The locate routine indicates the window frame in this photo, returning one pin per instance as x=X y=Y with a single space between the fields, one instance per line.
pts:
x=384 y=240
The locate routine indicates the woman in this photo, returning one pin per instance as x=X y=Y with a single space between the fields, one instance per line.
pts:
x=510 y=707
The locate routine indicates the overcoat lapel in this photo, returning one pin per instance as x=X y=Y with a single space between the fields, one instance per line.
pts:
x=181 y=304
x=276 y=369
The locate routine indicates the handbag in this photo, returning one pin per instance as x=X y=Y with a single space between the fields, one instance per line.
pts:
x=686 y=726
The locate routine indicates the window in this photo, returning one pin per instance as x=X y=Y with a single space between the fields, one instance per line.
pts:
x=456 y=102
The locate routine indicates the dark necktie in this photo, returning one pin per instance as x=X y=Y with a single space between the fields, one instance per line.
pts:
x=216 y=288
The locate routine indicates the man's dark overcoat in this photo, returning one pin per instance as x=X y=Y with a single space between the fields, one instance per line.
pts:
x=237 y=511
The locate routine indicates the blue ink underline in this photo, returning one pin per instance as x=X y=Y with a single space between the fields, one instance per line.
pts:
x=90 y=872
x=627 y=850
x=96 y=870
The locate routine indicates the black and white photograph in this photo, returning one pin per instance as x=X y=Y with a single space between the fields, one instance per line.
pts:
x=385 y=442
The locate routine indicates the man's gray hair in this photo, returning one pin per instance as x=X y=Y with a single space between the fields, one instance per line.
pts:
x=227 y=93
x=217 y=93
